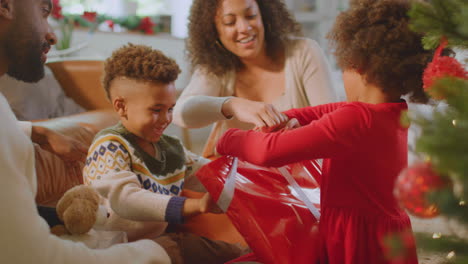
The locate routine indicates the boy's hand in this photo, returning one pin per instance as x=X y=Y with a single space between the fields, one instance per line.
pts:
x=207 y=205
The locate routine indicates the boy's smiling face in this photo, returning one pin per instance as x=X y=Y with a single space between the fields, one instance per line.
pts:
x=145 y=108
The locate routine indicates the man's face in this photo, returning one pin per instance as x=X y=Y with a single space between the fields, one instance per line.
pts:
x=29 y=39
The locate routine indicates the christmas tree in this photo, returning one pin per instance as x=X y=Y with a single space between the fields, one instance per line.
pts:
x=441 y=181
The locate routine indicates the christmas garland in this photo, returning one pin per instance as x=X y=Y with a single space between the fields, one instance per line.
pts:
x=146 y=24
x=92 y=20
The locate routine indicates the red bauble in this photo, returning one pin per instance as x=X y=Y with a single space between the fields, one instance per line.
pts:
x=413 y=186
x=90 y=16
x=442 y=66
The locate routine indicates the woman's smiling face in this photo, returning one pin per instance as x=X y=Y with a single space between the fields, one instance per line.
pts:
x=240 y=28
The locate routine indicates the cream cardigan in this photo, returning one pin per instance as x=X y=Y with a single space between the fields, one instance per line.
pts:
x=307 y=83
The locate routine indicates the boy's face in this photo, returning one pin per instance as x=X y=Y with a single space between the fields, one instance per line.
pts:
x=147 y=107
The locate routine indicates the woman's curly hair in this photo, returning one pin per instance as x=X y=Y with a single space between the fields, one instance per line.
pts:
x=373 y=37
x=141 y=63
x=205 y=50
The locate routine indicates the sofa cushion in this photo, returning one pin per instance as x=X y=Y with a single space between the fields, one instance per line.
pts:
x=81 y=80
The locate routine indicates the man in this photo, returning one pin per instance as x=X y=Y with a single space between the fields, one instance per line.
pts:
x=25 y=40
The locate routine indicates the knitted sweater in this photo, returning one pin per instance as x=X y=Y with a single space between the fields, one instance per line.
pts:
x=142 y=191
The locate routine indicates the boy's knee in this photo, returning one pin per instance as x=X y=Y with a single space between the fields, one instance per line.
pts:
x=171 y=247
x=197 y=249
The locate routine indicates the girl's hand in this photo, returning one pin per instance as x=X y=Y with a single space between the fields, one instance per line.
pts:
x=257 y=113
x=292 y=124
x=288 y=125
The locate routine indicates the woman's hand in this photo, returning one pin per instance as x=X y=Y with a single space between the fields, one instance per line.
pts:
x=257 y=113
x=288 y=125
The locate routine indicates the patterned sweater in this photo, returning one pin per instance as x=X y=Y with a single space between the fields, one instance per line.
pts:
x=141 y=191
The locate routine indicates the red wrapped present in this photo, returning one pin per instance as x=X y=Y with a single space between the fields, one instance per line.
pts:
x=275 y=210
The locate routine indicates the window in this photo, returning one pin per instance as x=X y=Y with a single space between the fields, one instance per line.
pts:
x=116 y=8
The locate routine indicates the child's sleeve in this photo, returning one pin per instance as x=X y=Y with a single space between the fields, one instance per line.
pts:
x=193 y=163
x=336 y=134
x=108 y=170
x=308 y=114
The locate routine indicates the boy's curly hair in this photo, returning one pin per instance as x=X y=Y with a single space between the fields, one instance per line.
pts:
x=373 y=37
x=141 y=63
x=203 y=45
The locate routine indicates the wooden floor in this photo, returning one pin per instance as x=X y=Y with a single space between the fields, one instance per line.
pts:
x=437 y=225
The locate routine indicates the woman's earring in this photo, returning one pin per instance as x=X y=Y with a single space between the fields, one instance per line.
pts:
x=218 y=43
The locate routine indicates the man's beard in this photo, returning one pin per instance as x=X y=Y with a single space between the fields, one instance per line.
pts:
x=25 y=58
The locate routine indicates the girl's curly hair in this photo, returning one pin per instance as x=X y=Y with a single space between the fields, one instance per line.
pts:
x=204 y=49
x=141 y=63
x=374 y=38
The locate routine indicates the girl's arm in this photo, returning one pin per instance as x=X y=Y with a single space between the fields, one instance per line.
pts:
x=332 y=135
x=306 y=115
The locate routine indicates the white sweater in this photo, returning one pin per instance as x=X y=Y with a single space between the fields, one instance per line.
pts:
x=25 y=236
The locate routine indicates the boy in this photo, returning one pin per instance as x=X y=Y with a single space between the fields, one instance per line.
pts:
x=139 y=170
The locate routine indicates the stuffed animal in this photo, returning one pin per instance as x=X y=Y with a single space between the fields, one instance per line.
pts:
x=79 y=209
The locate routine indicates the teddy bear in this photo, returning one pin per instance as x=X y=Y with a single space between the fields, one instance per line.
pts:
x=79 y=209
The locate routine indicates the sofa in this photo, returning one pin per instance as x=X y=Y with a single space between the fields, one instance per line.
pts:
x=80 y=80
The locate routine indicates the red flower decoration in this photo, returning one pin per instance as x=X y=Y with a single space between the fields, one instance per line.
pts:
x=110 y=24
x=90 y=16
x=147 y=25
x=442 y=66
x=57 y=10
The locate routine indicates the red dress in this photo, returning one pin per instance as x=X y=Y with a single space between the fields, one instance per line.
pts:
x=364 y=148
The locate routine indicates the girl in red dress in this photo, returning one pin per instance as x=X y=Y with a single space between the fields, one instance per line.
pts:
x=363 y=145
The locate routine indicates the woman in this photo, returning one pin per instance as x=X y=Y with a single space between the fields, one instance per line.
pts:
x=248 y=67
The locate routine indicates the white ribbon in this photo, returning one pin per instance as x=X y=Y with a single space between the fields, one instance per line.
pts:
x=227 y=194
x=302 y=196
x=225 y=198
